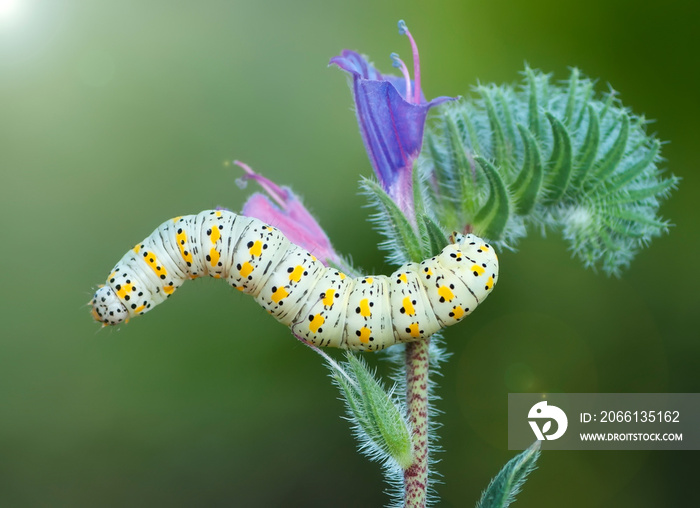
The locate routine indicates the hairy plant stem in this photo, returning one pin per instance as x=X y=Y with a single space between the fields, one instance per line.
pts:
x=416 y=476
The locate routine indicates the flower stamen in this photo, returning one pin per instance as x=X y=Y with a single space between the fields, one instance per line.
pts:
x=398 y=64
x=403 y=30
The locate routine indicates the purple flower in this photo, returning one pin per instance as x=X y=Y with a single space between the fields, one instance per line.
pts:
x=391 y=112
x=288 y=215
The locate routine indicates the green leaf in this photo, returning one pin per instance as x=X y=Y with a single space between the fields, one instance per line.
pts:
x=498 y=141
x=629 y=174
x=586 y=96
x=444 y=189
x=418 y=195
x=491 y=219
x=440 y=163
x=533 y=112
x=386 y=425
x=529 y=182
x=588 y=150
x=465 y=183
x=508 y=127
x=471 y=133
x=508 y=482
x=393 y=224
x=353 y=399
x=571 y=99
x=640 y=218
x=622 y=227
x=612 y=158
x=435 y=239
x=608 y=105
x=560 y=162
x=661 y=189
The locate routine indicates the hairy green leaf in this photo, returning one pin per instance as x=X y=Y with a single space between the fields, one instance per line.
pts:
x=588 y=150
x=402 y=241
x=588 y=164
x=508 y=482
x=491 y=219
x=378 y=419
x=560 y=162
x=613 y=157
x=527 y=186
x=435 y=239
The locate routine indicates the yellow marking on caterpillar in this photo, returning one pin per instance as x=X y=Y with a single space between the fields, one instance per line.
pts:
x=369 y=280
x=478 y=270
x=256 y=249
x=403 y=278
x=124 y=289
x=218 y=213
x=152 y=261
x=313 y=257
x=246 y=269
x=168 y=290
x=341 y=275
x=484 y=248
x=428 y=271
x=215 y=234
x=316 y=322
x=295 y=275
x=408 y=306
x=214 y=256
x=489 y=283
x=181 y=239
x=364 y=308
x=414 y=330
x=446 y=293
x=279 y=294
x=458 y=312
x=364 y=334
x=330 y=296
x=139 y=309
x=137 y=248
x=175 y=219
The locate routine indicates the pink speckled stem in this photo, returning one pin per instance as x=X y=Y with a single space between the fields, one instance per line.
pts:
x=416 y=477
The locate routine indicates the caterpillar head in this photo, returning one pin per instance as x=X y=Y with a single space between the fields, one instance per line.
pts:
x=475 y=247
x=469 y=254
x=107 y=308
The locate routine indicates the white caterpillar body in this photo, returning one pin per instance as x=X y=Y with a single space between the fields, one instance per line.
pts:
x=321 y=305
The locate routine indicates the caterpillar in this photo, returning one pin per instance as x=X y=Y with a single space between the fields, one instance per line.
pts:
x=320 y=304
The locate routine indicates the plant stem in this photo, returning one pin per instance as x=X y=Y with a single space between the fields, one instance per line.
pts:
x=416 y=476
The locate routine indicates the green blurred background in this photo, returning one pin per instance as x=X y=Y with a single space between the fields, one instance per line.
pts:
x=115 y=116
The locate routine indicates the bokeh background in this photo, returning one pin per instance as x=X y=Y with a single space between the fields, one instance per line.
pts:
x=115 y=116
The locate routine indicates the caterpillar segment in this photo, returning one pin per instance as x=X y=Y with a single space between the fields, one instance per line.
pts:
x=321 y=305
x=322 y=321
x=412 y=312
